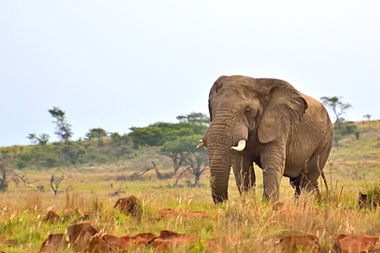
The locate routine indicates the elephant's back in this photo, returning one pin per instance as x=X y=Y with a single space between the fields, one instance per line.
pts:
x=312 y=134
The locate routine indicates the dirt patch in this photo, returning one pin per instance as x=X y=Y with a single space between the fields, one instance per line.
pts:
x=54 y=243
x=357 y=243
x=169 y=239
x=167 y=213
x=294 y=243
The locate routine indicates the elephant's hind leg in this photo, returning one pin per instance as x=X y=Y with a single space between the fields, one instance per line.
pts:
x=313 y=169
x=307 y=181
x=309 y=178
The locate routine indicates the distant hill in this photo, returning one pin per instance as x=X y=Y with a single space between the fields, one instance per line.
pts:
x=357 y=159
x=352 y=160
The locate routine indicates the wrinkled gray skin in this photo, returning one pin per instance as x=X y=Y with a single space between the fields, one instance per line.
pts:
x=287 y=134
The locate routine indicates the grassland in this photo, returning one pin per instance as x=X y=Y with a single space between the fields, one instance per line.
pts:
x=243 y=224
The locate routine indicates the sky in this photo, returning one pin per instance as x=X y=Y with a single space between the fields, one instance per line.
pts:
x=116 y=64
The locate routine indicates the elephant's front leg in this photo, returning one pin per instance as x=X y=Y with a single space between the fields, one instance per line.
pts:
x=244 y=173
x=273 y=164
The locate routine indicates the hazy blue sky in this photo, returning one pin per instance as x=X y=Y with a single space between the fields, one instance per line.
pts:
x=116 y=64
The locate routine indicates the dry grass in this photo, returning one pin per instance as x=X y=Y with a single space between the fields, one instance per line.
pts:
x=243 y=224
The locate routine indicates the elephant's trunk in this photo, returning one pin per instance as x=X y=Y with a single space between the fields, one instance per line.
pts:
x=219 y=153
x=221 y=136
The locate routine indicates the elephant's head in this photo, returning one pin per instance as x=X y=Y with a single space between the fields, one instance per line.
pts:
x=243 y=109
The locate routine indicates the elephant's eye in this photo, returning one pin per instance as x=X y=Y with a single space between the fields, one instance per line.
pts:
x=247 y=111
x=250 y=116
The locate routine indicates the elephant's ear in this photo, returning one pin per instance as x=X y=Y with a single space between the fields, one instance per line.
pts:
x=214 y=90
x=284 y=106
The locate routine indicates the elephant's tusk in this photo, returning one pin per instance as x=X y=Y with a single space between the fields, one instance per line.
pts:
x=240 y=146
x=201 y=144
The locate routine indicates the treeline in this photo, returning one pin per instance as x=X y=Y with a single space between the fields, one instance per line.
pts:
x=175 y=140
x=69 y=153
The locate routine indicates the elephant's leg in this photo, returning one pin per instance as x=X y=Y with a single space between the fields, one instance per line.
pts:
x=309 y=177
x=244 y=173
x=295 y=183
x=273 y=165
x=313 y=169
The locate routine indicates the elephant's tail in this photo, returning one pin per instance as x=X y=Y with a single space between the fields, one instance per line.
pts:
x=325 y=181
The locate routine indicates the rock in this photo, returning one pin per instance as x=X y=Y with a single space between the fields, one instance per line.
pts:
x=54 y=243
x=140 y=239
x=79 y=236
x=292 y=243
x=363 y=200
x=108 y=243
x=169 y=239
x=7 y=242
x=357 y=243
x=51 y=217
x=130 y=206
x=278 y=206
x=99 y=245
x=3 y=240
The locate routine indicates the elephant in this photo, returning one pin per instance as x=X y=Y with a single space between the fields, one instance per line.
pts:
x=267 y=122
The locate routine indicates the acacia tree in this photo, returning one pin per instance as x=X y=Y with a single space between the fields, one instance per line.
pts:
x=341 y=128
x=42 y=139
x=337 y=107
x=175 y=150
x=367 y=116
x=176 y=141
x=63 y=128
x=150 y=135
x=96 y=133
x=183 y=152
x=195 y=158
x=195 y=117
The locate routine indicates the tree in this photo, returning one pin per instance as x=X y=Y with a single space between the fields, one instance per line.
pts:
x=337 y=106
x=42 y=139
x=183 y=152
x=157 y=134
x=6 y=158
x=54 y=183
x=196 y=159
x=63 y=129
x=341 y=128
x=173 y=138
x=96 y=133
x=32 y=138
x=367 y=116
x=175 y=150
x=151 y=136
x=195 y=117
